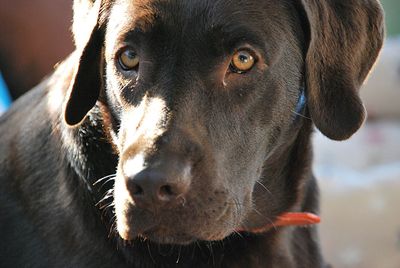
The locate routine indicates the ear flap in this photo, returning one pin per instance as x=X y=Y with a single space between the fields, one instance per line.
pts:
x=84 y=17
x=345 y=40
x=86 y=82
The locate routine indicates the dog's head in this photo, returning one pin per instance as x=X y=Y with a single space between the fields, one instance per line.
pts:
x=200 y=94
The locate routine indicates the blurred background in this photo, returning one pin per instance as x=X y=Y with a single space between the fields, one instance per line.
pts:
x=359 y=178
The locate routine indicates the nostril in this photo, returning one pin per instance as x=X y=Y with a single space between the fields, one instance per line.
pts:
x=136 y=189
x=166 y=190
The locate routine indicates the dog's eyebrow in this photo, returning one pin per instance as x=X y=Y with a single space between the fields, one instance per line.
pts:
x=235 y=36
x=134 y=34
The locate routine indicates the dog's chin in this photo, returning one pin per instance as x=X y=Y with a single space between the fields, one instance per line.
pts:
x=157 y=235
x=175 y=239
x=160 y=235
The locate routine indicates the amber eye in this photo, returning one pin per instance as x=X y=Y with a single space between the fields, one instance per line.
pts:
x=128 y=59
x=242 y=61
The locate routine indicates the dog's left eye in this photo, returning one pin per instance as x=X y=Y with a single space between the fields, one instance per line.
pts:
x=128 y=59
x=242 y=61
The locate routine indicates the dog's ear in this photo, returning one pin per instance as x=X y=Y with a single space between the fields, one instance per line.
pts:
x=345 y=38
x=86 y=82
x=85 y=13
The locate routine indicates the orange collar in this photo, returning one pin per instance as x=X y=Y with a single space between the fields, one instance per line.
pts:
x=288 y=219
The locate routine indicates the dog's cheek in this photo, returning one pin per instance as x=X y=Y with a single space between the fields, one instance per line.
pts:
x=243 y=207
x=240 y=208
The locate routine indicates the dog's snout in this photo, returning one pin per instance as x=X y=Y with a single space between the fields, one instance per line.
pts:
x=154 y=187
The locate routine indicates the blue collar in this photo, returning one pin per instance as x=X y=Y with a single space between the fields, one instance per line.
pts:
x=301 y=104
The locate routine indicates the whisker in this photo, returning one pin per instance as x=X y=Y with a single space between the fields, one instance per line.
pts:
x=265 y=217
x=265 y=187
x=106 y=196
x=104 y=178
x=301 y=115
x=200 y=248
x=107 y=212
x=209 y=246
x=238 y=233
x=106 y=206
x=193 y=252
x=179 y=255
x=233 y=227
x=222 y=245
x=151 y=256
x=104 y=199
x=113 y=227
x=105 y=183
x=146 y=61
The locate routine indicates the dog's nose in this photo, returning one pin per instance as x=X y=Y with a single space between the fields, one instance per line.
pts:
x=154 y=187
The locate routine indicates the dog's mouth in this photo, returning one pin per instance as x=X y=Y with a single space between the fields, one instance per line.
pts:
x=181 y=227
x=168 y=233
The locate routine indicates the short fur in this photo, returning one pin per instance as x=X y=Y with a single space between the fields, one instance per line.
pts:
x=233 y=143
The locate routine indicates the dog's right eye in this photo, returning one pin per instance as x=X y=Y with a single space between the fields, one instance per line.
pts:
x=128 y=59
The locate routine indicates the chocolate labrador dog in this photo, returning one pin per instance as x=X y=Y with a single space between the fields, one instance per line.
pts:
x=178 y=134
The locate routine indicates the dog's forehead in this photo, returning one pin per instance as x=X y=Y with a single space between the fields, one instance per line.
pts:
x=195 y=15
x=183 y=10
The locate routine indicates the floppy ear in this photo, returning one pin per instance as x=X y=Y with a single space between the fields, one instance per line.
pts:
x=86 y=81
x=345 y=40
x=85 y=14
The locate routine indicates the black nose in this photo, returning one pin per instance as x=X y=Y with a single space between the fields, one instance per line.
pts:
x=152 y=187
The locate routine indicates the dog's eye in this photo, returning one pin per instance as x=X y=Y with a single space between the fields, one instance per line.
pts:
x=242 y=61
x=128 y=60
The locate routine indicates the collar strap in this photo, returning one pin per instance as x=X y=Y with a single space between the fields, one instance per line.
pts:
x=297 y=219
x=301 y=104
x=302 y=219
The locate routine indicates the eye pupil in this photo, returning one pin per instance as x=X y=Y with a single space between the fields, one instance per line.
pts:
x=128 y=60
x=130 y=54
x=243 y=58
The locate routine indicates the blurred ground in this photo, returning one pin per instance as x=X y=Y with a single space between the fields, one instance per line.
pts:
x=360 y=197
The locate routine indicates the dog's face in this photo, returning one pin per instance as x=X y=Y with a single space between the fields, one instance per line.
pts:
x=201 y=106
x=200 y=94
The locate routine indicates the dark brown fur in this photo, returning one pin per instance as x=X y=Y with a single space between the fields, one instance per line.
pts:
x=232 y=145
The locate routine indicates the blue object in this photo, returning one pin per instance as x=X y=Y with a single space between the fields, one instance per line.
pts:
x=301 y=104
x=5 y=98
